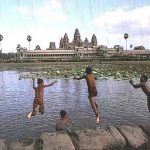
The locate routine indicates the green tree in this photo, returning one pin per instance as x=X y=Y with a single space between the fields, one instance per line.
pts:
x=29 y=38
x=126 y=37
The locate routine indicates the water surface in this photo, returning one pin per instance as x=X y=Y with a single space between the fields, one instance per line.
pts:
x=118 y=101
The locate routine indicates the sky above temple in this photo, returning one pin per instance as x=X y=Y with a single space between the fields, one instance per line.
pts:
x=48 y=20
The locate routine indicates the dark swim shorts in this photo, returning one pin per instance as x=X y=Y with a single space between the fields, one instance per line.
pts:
x=92 y=92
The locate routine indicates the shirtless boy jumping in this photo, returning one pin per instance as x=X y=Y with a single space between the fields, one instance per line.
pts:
x=90 y=79
x=38 y=104
x=143 y=85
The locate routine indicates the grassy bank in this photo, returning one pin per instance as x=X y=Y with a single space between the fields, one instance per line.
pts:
x=37 y=64
x=44 y=64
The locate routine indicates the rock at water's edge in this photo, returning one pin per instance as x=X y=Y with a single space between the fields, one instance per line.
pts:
x=56 y=141
x=99 y=139
x=20 y=146
x=3 y=145
x=134 y=136
x=118 y=136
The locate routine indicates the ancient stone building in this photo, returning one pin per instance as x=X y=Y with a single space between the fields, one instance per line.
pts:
x=139 y=48
x=86 y=43
x=77 y=39
x=77 y=42
x=94 y=40
x=77 y=49
x=61 y=44
x=51 y=46
x=64 y=42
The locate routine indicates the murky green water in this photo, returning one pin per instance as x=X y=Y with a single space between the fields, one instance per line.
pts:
x=119 y=104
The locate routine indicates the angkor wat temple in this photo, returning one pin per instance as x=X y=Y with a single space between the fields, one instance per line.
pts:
x=79 y=50
x=77 y=42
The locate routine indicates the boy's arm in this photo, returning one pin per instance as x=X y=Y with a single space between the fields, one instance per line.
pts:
x=70 y=121
x=50 y=84
x=95 y=78
x=135 y=85
x=34 y=84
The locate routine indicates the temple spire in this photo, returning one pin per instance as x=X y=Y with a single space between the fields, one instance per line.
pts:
x=94 y=40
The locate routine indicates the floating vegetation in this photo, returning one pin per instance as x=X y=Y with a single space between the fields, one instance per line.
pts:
x=102 y=71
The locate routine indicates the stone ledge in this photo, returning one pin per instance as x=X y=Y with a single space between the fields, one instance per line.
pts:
x=121 y=142
x=3 y=145
x=135 y=137
x=101 y=138
x=56 y=141
x=19 y=146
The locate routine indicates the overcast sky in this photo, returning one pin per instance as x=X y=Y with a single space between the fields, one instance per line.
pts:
x=48 y=20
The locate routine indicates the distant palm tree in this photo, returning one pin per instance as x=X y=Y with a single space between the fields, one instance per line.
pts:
x=38 y=47
x=1 y=37
x=29 y=38
x=126 y=37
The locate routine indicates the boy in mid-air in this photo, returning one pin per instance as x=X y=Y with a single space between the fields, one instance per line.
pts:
x=38 y=104
x=64 y=122
x=90 y=79
x=143 y=85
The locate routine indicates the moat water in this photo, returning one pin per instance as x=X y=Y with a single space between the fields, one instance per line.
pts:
x=118 y=101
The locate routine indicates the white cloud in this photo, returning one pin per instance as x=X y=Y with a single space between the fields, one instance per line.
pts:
x=43 y=37
x=54 y=4
x=126 y=7
x=9 y=42
x=51 y=11
x=42 y=31
x=51 y=25
x=136 y=23
x=23 y=10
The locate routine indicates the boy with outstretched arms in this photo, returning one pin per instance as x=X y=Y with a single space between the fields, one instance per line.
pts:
x=92 y=90
x=38 y=104
x=145 y=88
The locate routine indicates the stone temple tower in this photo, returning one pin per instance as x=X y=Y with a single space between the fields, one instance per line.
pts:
x=65 y=41
x=77 y=38
x=86 y=42
x=61 y=43
x=94 y=40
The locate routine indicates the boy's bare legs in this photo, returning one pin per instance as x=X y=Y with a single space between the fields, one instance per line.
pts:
x=41 y=109
x=33 y=113
x=148 y=102
x=95 y=108
x=29 y=115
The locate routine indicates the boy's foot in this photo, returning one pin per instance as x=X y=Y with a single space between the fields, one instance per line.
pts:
x=97 y=119
x=37 y=108
x=29 y=115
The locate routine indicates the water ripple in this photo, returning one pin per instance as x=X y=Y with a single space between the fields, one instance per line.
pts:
x=118 y=103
